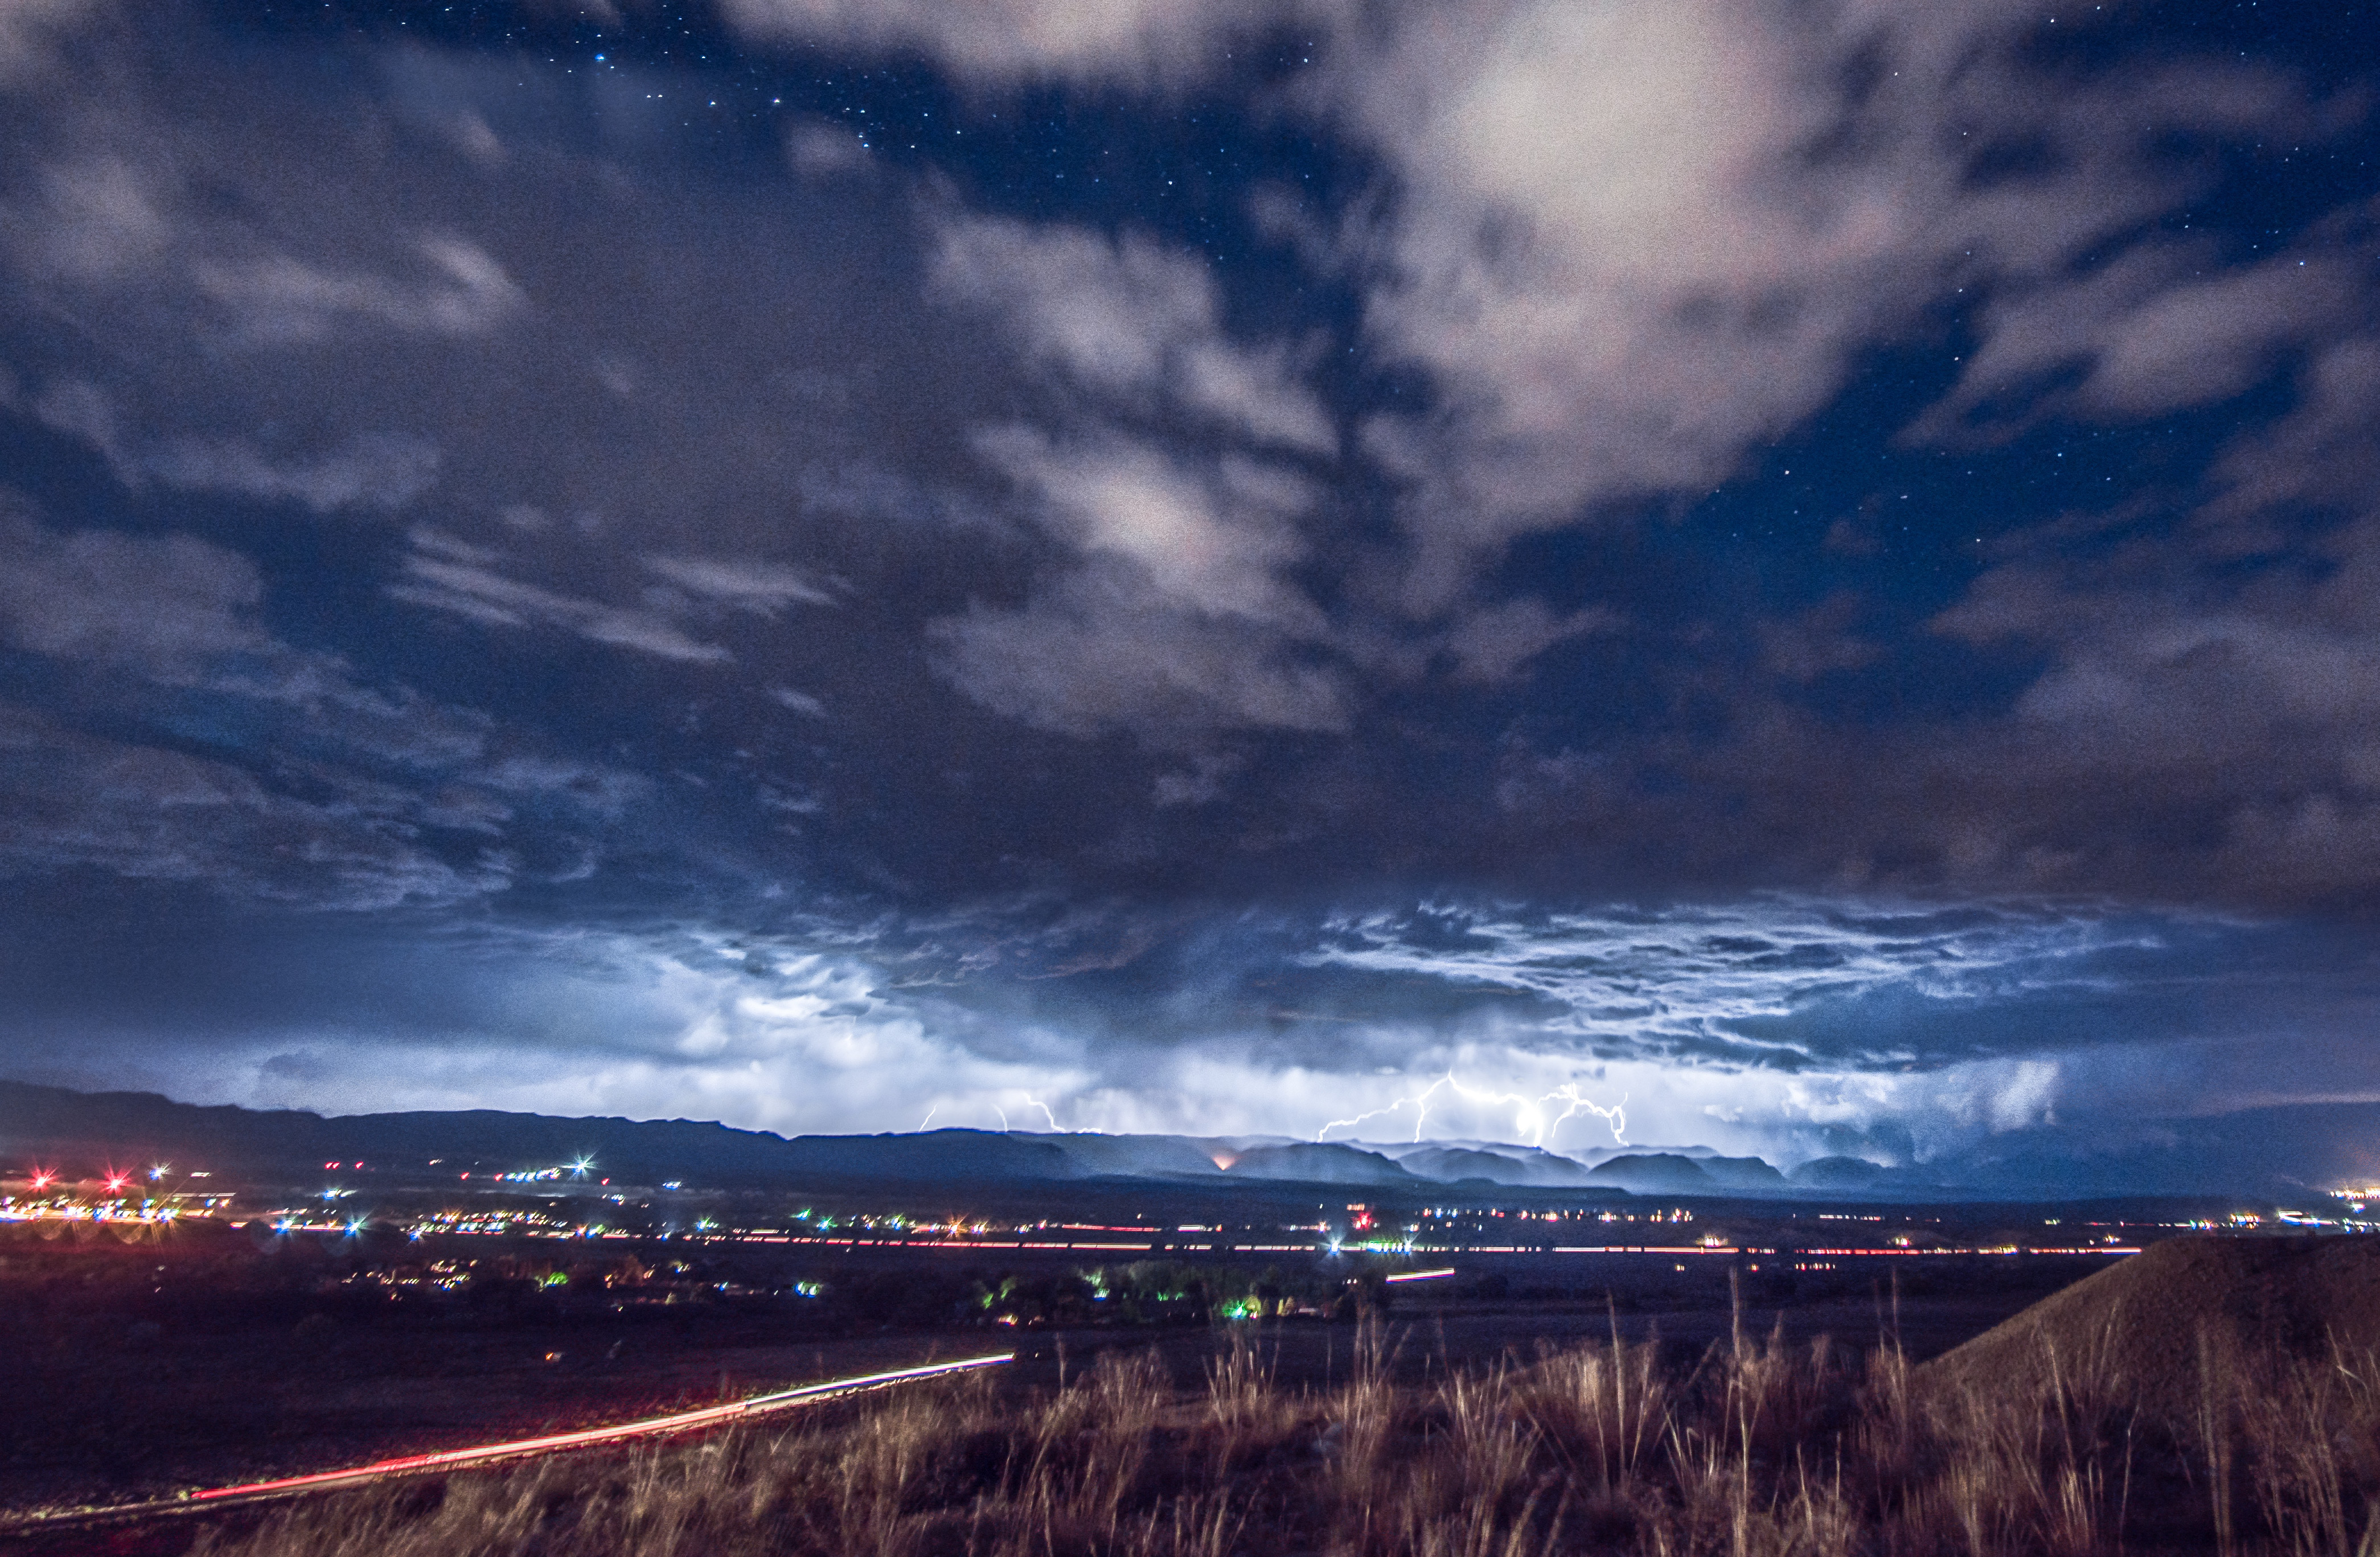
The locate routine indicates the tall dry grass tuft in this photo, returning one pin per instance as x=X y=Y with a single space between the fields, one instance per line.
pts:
x=2044 y=1462
x=2309 y=1432
x=1757 y=1448
x=1599 y=1411
x=2218 y=1379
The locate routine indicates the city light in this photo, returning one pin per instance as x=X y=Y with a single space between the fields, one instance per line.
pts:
x=552 y=1203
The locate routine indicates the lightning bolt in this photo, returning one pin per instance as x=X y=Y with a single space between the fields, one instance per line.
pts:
x=1616 y=1116
x=992 y=1103
x=1528 y=1117
x=1419 y=1103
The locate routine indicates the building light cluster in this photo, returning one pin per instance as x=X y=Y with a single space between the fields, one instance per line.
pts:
x=45 y=1196
x=488 y=1220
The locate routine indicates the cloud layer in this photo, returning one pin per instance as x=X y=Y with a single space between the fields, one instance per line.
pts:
x=1809 y=566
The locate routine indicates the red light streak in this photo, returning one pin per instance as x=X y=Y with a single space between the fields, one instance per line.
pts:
x=682 y=1421
x=489 y=1453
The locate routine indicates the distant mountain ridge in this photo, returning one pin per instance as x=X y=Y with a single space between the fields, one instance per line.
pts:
x=62 y=1127
x=134 y=1128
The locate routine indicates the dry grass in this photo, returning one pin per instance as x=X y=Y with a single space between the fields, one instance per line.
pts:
x=1758 y=1449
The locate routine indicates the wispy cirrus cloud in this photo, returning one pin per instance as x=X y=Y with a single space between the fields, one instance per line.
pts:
x=275 y=299
x=1176 y=616
x=1136 y=324
x=761 y=587
x=1007 y=40
x=478 y=593
x=383 y=470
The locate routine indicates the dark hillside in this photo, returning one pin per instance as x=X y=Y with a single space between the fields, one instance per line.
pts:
x=2137 y=1324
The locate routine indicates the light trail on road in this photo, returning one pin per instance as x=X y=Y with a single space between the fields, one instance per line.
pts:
x=491 y=1454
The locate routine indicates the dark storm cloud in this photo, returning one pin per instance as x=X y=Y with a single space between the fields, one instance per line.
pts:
x=264 y=769
x=1790 y=1029
x=1176 y=567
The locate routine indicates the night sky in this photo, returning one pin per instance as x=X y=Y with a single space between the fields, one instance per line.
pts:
x=1805 y=572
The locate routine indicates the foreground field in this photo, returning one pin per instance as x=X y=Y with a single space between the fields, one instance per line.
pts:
x=1758 y=1446
x=137 y=1372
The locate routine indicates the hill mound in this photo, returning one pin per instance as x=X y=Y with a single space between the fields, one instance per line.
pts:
x=1836 y=1172
x=2133 y=1329
x=1659 y=1173
x=1744 y=1172
x=1130 y=1156
x=1319 y=1162
x=1448 y=1165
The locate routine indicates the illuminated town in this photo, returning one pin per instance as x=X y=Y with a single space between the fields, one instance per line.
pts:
x=401 y=1231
